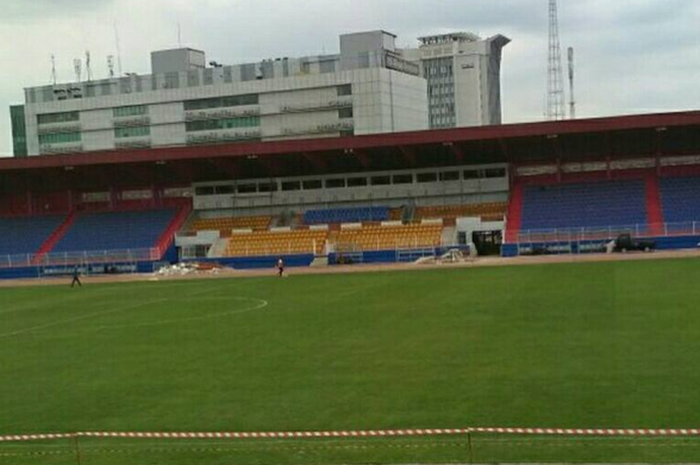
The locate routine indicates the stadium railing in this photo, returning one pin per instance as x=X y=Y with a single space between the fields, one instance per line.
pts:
x=690 y=228
x=81 y=258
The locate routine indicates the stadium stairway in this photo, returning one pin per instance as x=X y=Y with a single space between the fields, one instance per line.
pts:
x=55 y=237
x=168 y=237
x=515 y=212
x=655 y=215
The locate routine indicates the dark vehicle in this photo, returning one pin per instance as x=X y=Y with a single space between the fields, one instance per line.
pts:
x=624 y=243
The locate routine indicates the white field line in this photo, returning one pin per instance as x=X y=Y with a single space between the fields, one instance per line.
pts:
x=260 y=305
x=79 y=318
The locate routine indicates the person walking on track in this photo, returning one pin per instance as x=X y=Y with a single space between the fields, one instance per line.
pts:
x=76 y=278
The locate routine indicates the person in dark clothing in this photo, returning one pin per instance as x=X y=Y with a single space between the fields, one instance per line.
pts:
x=76 y=278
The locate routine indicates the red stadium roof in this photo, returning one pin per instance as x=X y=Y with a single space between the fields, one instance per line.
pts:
x=598 y=138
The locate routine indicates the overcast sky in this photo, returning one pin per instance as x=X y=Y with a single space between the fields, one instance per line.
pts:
x=632 y=56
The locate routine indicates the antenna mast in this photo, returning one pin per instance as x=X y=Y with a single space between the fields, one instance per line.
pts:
x=78 y=68
x=53 y=69
x=88 y=70
x=572 y=101
x=555 y=84
x=110 y=65
x=119 y=53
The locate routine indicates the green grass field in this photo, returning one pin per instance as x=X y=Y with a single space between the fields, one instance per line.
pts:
x=573 y=345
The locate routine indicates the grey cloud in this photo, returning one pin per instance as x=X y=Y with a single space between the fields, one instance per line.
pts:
x=30 y=11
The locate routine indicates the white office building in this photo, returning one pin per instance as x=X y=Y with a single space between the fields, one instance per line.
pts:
x=370 y=87
x=464 y=78
x=366 y=89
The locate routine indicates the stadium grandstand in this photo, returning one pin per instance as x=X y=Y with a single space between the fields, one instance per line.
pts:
x=565 y=187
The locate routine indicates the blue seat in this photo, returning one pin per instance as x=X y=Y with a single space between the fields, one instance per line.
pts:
x=680 y=199
x=25 y=235
x=584 y=205
x=115 y=231
x=346 y=215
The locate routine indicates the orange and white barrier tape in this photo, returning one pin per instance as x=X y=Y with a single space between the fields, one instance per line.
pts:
x=353 y=433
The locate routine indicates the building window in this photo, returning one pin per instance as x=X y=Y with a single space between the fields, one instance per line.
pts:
x=291 y=186
x=471 y=174
x=61 y=138
x=327 y=66
x=193 y=78
x=221 y=102
x=247 y=189
x=495 y=173
x=357 y=182
x=172 y=80
x=426 y=177
x=226 y=123
x=449 y=176
x=345 y=113
x=140 y=131
x=226 y=189
x=381 y=180
x=403 y=179
x=312 y=184
x=125 y=85
x=208 y=77
x=136 y=110
x=267 y=187
x=335 y=183
x=64 y=117
x=204 y=190
x=344 y=90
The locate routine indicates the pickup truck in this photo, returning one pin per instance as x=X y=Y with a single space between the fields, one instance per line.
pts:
x=624 y=243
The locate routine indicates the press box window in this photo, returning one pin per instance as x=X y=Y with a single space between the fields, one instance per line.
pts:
x=403 y=179
x=449 y=176
x=204 y=190
x=344 y=90
x=247 y=189
x=345 y=113
x=357 y=182
x=267 y=187
x=224 y=189
x=495 y=173
x=381 y=180
x=313 y=184
x=471 y=174
x=427 y=177
x=335 y=183
x=291 y=186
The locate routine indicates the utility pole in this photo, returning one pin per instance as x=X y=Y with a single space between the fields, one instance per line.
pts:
x=555 y=78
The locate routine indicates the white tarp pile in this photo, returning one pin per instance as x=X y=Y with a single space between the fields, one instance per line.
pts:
x=183 y=269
